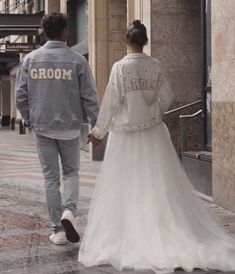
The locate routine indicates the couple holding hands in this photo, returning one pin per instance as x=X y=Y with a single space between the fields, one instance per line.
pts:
x=144 y=213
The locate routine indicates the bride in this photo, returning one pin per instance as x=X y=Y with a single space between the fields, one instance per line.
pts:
x=144 y=214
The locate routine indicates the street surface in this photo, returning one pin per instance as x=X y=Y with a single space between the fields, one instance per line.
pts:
x=24 y=222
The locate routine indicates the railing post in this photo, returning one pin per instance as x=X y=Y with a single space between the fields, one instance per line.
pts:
x=21 y=127
x=184 y=141
x=183 y=119
x=13 y=122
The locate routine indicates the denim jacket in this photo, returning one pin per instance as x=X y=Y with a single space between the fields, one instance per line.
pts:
x=137 y=95
x=55 y=89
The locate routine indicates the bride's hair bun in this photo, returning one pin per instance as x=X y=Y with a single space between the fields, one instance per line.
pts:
x=137 y=24
x=136 y=34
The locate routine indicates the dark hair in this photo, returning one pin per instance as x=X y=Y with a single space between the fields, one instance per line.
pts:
x=53 y=24
x=136 y=34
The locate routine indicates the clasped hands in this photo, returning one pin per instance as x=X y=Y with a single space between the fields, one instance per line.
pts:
x=95 y=141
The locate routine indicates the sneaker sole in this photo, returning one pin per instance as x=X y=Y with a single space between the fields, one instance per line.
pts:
x=71 y=233
x=58 y=243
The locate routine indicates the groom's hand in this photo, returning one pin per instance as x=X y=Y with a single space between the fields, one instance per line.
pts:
x=95 y=141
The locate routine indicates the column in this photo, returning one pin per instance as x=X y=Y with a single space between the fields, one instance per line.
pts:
x=106 y=41
x=141 y=10
x=223 y=102
x=0 y=97
x=13 y=100
x=6 y=102
x=63 y=6
x=117 y=23
x=98 y=42
x=107 y=26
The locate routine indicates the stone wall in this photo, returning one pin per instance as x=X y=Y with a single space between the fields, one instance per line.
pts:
x=52 y=6
x=223 y=101
x=176 y=42
x=194 y=129
x=174 y=31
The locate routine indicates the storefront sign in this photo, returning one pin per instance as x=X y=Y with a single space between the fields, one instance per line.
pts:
x=20 y=47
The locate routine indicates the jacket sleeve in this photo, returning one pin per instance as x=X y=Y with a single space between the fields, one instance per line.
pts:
x=110 y=104
x=89 y=99
x=165 y=94
x=22 y=101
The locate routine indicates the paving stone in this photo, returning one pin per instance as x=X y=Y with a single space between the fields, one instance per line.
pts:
x=24 y=221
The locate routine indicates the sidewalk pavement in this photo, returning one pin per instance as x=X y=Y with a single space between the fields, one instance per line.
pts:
x=24 y=222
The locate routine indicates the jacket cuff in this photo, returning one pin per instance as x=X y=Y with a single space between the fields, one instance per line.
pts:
x=96 y=132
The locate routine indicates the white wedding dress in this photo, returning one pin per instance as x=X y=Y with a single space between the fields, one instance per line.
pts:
x=144 y=212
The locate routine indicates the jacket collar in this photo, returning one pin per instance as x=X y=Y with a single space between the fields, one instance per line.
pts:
x=55 y=44
x=136 y=55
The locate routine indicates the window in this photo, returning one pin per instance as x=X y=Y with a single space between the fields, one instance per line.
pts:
x=82 y=20
x=78 y=21
x=41 y=5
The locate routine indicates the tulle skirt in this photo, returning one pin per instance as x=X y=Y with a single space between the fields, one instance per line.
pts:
x=145 y=214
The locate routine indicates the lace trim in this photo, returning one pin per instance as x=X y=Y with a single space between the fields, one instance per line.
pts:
x=135 y=127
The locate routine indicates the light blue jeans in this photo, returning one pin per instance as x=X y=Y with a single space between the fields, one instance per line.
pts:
x=49 y=151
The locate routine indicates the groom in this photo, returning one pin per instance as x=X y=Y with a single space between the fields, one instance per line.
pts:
x=53 y=86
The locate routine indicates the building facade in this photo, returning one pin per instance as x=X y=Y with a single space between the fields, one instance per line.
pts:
x=19 y=34
x=183 y=36
x=194 y=40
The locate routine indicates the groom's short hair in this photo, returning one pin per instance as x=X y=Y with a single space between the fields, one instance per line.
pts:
x=54 y=23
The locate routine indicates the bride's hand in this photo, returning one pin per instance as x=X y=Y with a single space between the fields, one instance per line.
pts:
x=95 y=141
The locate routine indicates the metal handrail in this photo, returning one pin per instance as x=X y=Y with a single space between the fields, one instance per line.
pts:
x=166 y=113
x=191 y=115
x=183 y=107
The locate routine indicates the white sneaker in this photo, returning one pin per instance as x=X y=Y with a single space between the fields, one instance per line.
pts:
x=58 y=238
x=69 y=223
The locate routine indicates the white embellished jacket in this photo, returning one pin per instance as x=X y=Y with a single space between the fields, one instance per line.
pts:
x=137 y=95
